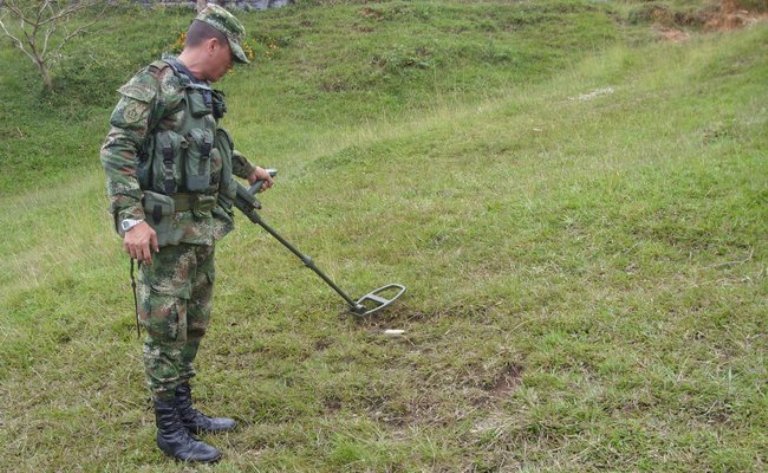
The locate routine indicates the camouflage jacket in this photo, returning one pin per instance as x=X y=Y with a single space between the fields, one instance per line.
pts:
x=154 y=101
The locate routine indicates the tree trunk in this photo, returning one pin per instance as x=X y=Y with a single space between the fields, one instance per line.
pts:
x=43 y=68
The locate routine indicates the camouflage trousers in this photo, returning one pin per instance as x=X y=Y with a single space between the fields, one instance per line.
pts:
x=174 y=295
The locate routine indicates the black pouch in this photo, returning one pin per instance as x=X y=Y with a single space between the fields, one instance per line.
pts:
x=197 y=163
x=218 y=104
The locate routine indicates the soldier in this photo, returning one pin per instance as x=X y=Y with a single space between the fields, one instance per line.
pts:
x=169 y=168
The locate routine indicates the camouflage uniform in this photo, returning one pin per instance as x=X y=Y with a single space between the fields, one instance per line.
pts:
x=174 y=294
x=161 y=101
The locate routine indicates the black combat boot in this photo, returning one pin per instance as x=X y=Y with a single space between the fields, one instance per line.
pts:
x=195 y=420
x=175 y=440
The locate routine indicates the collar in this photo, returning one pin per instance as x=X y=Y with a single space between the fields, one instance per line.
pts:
x=180 y=69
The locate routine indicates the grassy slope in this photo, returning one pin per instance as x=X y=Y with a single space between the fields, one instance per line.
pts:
x=586 y=276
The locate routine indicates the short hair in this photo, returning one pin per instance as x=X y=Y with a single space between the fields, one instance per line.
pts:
x=200 y=31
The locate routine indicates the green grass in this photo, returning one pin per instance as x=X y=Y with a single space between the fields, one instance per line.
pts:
x=578 y=211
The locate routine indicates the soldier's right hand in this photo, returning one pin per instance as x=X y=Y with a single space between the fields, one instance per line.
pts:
x=140 y=242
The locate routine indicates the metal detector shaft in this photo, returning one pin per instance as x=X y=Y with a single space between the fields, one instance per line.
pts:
x=372 y=302
x=307 y=260
x=247 y=203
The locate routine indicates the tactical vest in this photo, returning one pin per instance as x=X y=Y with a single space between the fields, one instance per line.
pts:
x=187 y=167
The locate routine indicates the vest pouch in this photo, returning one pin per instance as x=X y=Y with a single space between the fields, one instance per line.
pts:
x=204 y=205
x=160 y=213
x=200 y=102
x=227 y=184
x=197 y=165
x=223 y=218
x=144 y=163
x=166 y=163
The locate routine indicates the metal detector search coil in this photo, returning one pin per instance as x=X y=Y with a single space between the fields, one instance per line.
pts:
x=370 y=303
x=376 y=301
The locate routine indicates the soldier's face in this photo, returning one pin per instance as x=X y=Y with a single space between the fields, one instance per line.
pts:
x=220 y=61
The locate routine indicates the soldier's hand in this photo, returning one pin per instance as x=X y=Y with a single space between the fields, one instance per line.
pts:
x=261 y=174
x=140 y=242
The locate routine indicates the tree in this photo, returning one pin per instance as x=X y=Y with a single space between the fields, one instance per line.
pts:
x=37 y=21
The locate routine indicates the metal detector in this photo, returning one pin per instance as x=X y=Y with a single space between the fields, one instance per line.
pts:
x=372 y=302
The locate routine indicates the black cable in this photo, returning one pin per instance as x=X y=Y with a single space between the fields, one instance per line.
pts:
x=135 y=301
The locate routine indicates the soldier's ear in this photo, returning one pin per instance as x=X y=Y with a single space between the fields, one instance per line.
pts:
x=211 y=44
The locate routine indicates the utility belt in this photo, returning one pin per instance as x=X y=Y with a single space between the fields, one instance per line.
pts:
x=160 y=211
x=197 y=203
x=159 y=205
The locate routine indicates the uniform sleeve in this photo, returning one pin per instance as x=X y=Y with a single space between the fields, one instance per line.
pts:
x=130 y=123
x=241 y=167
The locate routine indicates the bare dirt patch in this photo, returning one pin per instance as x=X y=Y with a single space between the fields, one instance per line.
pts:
x=506 y=381
x=727 y=15
x=673 y=34
x=732 y=16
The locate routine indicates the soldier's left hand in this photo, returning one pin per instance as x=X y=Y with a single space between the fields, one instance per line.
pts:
x=140 y=242
x=261 y=174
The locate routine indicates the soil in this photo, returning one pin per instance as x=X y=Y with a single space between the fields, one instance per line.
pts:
x=728 y=15
x=732 y=15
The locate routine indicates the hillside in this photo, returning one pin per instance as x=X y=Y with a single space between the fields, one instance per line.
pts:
x=576 y=203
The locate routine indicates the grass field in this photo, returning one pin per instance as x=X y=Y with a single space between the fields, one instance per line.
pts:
x=578 y=208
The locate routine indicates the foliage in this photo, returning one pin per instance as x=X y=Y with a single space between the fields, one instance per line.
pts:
x=36 y=35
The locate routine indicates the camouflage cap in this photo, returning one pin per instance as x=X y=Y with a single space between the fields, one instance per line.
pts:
x=226 y=22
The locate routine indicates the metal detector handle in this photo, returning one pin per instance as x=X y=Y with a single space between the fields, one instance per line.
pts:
x=256 y=187
x=245 y=198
